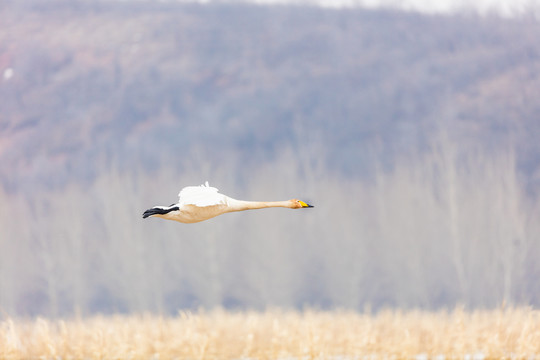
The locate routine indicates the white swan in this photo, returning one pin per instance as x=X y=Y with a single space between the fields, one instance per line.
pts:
x=199 y=203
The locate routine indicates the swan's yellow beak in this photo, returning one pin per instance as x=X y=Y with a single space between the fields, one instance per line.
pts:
x=304 y=205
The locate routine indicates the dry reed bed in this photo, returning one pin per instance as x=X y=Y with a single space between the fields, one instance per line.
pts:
x=218 y=334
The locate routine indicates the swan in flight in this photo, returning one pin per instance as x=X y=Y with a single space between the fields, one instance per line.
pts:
x=199 y=203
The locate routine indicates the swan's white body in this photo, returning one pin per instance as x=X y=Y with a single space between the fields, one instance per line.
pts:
x=199 y=203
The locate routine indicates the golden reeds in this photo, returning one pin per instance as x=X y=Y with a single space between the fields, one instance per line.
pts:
x=277 y=334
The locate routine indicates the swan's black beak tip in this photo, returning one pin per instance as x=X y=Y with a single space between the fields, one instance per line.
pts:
x=305 y=205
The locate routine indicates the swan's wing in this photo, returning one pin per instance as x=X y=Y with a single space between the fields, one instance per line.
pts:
x=202 y=196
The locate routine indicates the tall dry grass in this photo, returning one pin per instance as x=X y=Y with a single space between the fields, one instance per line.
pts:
x=218 y=334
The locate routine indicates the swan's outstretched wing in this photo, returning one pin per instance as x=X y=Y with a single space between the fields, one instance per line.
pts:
x=201 y=196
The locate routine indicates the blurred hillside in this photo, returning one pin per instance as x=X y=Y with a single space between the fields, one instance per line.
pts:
x=415 y=136
x=140 y=84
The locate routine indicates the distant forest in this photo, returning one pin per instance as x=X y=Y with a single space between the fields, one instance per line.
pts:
x=416 y=137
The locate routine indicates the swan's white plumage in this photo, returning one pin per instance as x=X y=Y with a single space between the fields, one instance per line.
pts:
x=203 y=195
x=199 y=203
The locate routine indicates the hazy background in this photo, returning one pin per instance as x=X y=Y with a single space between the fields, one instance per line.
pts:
x=416 y=136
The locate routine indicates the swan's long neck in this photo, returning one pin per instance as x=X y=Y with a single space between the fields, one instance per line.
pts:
x=240 y=205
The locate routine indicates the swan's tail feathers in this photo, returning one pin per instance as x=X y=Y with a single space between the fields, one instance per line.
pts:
x=159 y=210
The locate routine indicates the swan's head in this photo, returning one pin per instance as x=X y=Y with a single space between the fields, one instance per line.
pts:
x=299 y=204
